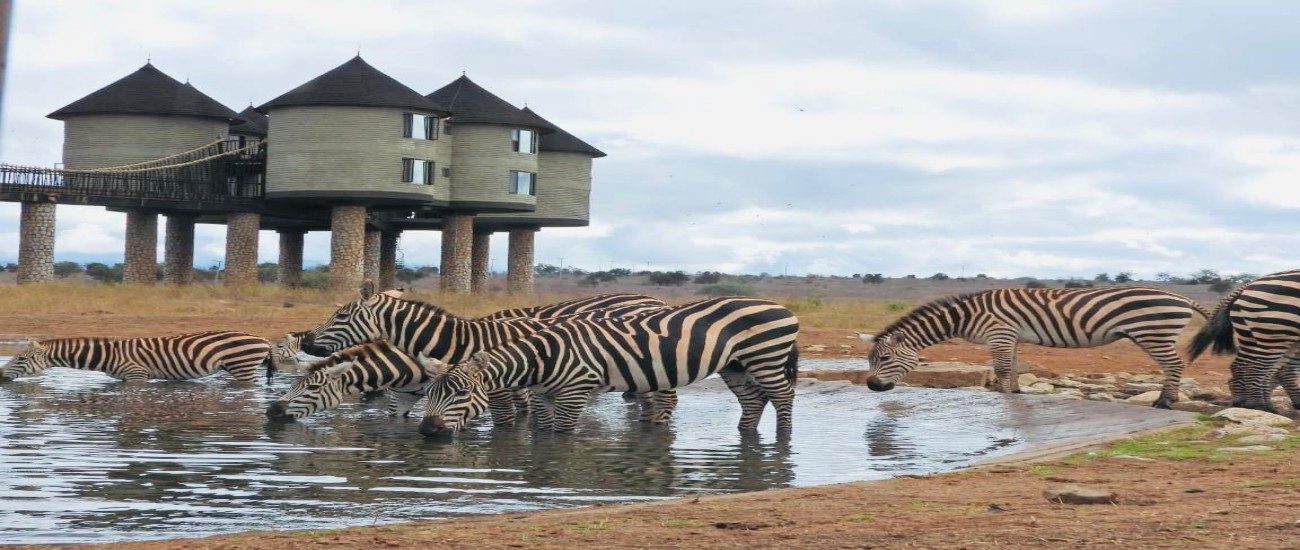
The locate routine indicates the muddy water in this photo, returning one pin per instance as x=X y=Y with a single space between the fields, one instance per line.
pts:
x=84 y=458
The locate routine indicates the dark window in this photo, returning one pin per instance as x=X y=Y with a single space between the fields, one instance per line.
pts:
x=430 y=127
x=523 y=183
x=408 y=170
x=419 y=172
x=408 y=122
x=523 y=141
x=419 y=126
x=428 y=172
x=446 y=171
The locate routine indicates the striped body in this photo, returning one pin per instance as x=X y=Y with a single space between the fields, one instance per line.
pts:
x=1260 y=321
x=285 y=352
x=366 y=367
x=1062 y=318
x=580 y=305
x=180 y=357
x=749 y=342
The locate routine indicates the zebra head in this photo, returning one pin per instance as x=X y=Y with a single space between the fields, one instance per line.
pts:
x=890 y=359
x=286 y=351
x=352 y=324
x=456 y=397
x=33 y=360
x=321 y=388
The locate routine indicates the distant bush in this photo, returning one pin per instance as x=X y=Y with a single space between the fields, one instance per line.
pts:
x=11 y=267
x=596 y=277
x=982 y=276
x=909 y=276
x=1124 y=277
x=1102 y=278
x=940 y=277
x=204 y=275
x=103 y=273
x=708 y=278
x=803 y=305
x=65 y=269
x=316 y=279
x=1204 y=277
x=897 y=306
x=1166 y=277
x=1222 y=285
x=873 y=278
x=546 y=269
x=1035 y=283
x=621 y=272
x=268 y=272
x=1077 y=283
x=731 y=288
x=669 y=278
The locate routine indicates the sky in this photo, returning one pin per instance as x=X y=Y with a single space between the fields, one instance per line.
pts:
x=1049 y=138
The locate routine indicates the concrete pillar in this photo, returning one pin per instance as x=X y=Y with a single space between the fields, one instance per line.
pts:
x=178 y=250
x=519 y=271
x=347 y=246
x=141 y=255
x=370 y=267
x=479 y=262
x=457 y=249
x=388 y=261
x=36 y=242
x=291 y=257
x=241 y=248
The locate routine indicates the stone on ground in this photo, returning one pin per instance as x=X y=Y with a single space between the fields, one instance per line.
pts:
x=1038 y=388
x=1027 y=379
x=1246 y=449
x=1145 y=398
x=1261 y=438
x=1246 y=429
x=1242 y=416
x=950 y=374
x=1078 y=494
x=1197 y=407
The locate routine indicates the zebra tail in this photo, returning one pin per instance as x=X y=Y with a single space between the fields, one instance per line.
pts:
x=269 y=362
x=792 y=364
x=1217 y=331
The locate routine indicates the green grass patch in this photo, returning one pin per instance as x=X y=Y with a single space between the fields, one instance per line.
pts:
x=858 y=518
x=586 y=528
x=1044 y=469
x=1293 y=482
x=1181 y=444
x=675 y=522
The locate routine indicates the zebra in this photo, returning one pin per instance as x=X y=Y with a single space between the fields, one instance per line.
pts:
x=749 y=342
x=579 y=305
x=1061 y=318
x=180 y=357
x=285 y=352
x=366 y=367
x=1260 y=322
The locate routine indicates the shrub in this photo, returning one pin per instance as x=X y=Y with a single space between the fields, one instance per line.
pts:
x=708 y=278
x=1035 y=283
x=1222 y=285
x=1078 y=283
x=940 y=277
x=669 y=278
x=204 y=275
x=1204 y=277
x=1124 y=277
x=64 y=269
x=596 y=277
x=897 y=306
x=316 y=278
x=731 y=288
x=1102 y=278
x=621 y=272
x=546 y=269
x=11 y=267
x=873 y=278
x=268 y=272
x=103 y=273
x=909 y=276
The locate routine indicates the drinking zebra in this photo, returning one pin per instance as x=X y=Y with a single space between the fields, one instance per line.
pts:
x=285 y=353
x=580 y=305
x=749 y=342
x=1061 y=318
x=366 y=367
x=1260 y=322
x=180 y=357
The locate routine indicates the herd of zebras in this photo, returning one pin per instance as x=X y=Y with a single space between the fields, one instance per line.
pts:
x=547 y=362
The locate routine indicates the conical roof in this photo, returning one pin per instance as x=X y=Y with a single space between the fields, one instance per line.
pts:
x=564 y=141
x=470 y=103
x=254 y=123
x=355 y=84
x=147 y=91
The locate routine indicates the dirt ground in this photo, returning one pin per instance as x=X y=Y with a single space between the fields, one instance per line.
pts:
x=1166 y=497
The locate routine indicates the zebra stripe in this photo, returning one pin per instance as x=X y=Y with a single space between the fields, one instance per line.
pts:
x=1061 y=318
x=1260 y=322
x=750 y=343
x=180 y=357
x=580 y=305
x=367 y=367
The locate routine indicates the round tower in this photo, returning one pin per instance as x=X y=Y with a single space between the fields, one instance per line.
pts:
x=252 y=125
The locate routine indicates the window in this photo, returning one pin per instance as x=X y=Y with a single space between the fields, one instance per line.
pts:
x=417 y=126
x=523 y=183
x=524 y=141
x=419 y=172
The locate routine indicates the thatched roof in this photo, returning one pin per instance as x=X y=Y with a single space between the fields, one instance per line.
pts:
x=254 y=123
x=147 y=91
x=355 y=84
x=562 y=140
x=470 y=103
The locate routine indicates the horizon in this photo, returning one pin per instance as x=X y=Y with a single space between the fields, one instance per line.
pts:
x=832 y=139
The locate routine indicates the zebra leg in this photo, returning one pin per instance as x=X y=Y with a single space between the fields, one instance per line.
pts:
x=1253 y=378
x=1289 y=378
x=1166 y=354
x=401 y=403
x=752 y=398
x=502 y=405
x=663 y=403
x=243 y=372
x=645 y=402
x=545 y=411
x=129 y=372
x=568 y=405
x=1002 y=346
x=522 y=399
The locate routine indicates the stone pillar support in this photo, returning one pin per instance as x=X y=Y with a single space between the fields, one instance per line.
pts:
x=480 y=262
x=291 y=257
x=388 y=261
x=457 y=249
x=178 y=249
x=370 y=267
x=141 y=255
x=347 y=246
x=36 y=243
x=241 y=248
x=519 y=272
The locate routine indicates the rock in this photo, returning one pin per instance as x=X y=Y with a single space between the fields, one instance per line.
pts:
x=1245 y=429
x=815 y=348
x=1070 y=393
x=1100 y=397
x=1135 y=388
x=1145 y=378
x=1190 y=405
x=1133 y=458
x=1246 y=449
x=1027 y=379
x=850 y=376
x=1144 y=398
x=950 y=375
x=1241 y=416
x=1078 y=494
x=1262 y=438
x=1038 y=388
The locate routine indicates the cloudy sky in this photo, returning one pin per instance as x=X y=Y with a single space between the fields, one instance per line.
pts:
x=1008 y=137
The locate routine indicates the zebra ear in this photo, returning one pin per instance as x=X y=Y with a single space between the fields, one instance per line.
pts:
x=866 y=337
x=394 y=292
x=337 y=370
x=367 y=290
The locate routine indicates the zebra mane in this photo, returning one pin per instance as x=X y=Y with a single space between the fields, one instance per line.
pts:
x=923 y=310
x=438 y=310
x=342 y=356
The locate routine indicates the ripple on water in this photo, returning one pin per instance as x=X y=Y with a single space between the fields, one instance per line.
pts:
x=83 y=458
